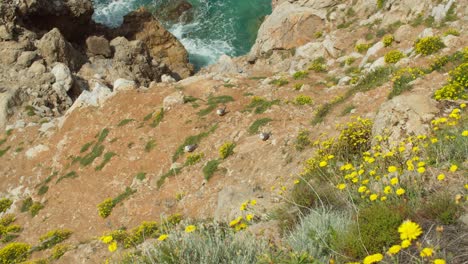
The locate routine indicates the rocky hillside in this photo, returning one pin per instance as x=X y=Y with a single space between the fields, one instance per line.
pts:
x=341 y=137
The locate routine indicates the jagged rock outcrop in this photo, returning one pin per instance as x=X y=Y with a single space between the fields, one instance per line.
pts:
x=289 y=26
x=162 y=45
x=53 y=47
x=51 y=52
x=405 y=115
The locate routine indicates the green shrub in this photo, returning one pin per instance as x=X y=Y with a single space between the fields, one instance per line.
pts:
x=139 y=234
x=257 y=124
x=35 y=208
x=210 y=168
x=300 y=75
x=402 y=78
x=457 y=85
x=226 y=150
x=59 y=250
x=302 y=140
x=150 y=145
x=193 y=140
x=452 y=31
x=210 y=245
x=54 y=237
x=5 y=204
x=107 y=157
x=141 y=176
x=105 y=208
x=125 y=122
x=302 y=100
x=14 y=253
x=363 y=47
x=27 y=203
x=388 y=40
x=318 y=34
x=442 y=207
x=194 y=158
x=380 y=3
x=279 y=82
x=259 y=105
x=350 y=60
x=43 y=190
x=428 y=45
x=298 y=86
x=318 y=65
x=213 y=102
x=315 y=232
x=394 y=56
x=377 y=229
x=158 y=118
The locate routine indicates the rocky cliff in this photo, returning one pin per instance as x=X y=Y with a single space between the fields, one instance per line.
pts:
x=346 y=119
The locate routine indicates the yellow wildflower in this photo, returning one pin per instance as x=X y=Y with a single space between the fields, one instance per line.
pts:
x=439 y=261
x=373 y=197
x=341 y=186
x=434 y=140
x=323 y=164
x=405 y=243
x=465 y=133
x=421 y=170
x=453 y=168
x=235 y=221
x=296 y=181
x=163 y=237
x=394 y=181
x=441 y=177
x=387 y=189
x=383 y=198
x=426 y=252
x=394 y=250
x=392 y=169
x=462 y=105
x=243 y=206
x=362 y=189
x=409 y=230
x=373 y=258
x=253 y=202
x=400 y=191
x=113 y=246
x=249 y=217
x=190 y=229
x=401 y=149
x=107 y=239
x=330 y=157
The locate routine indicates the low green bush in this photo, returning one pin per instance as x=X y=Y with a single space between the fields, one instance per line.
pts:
x=226 y=150
x=14 y=253
x=428 y=45
x=394 y=56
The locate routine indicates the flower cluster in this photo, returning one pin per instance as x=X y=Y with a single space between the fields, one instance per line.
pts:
x=363 y=47
x=388 y=40
x=457 y=85
x=394 y=56
x=428 y=45
x=241 y=222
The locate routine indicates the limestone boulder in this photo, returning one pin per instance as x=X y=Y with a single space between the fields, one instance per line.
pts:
x=53 y=47
x=161 y=44
x=98 y=45
x=405 y=115
x=289 y=26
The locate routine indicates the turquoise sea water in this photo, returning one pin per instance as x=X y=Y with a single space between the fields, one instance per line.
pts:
x=219 y=26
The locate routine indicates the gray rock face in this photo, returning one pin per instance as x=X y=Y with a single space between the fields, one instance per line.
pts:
x=98 y=46
x=63 y=78
x=405 y=115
